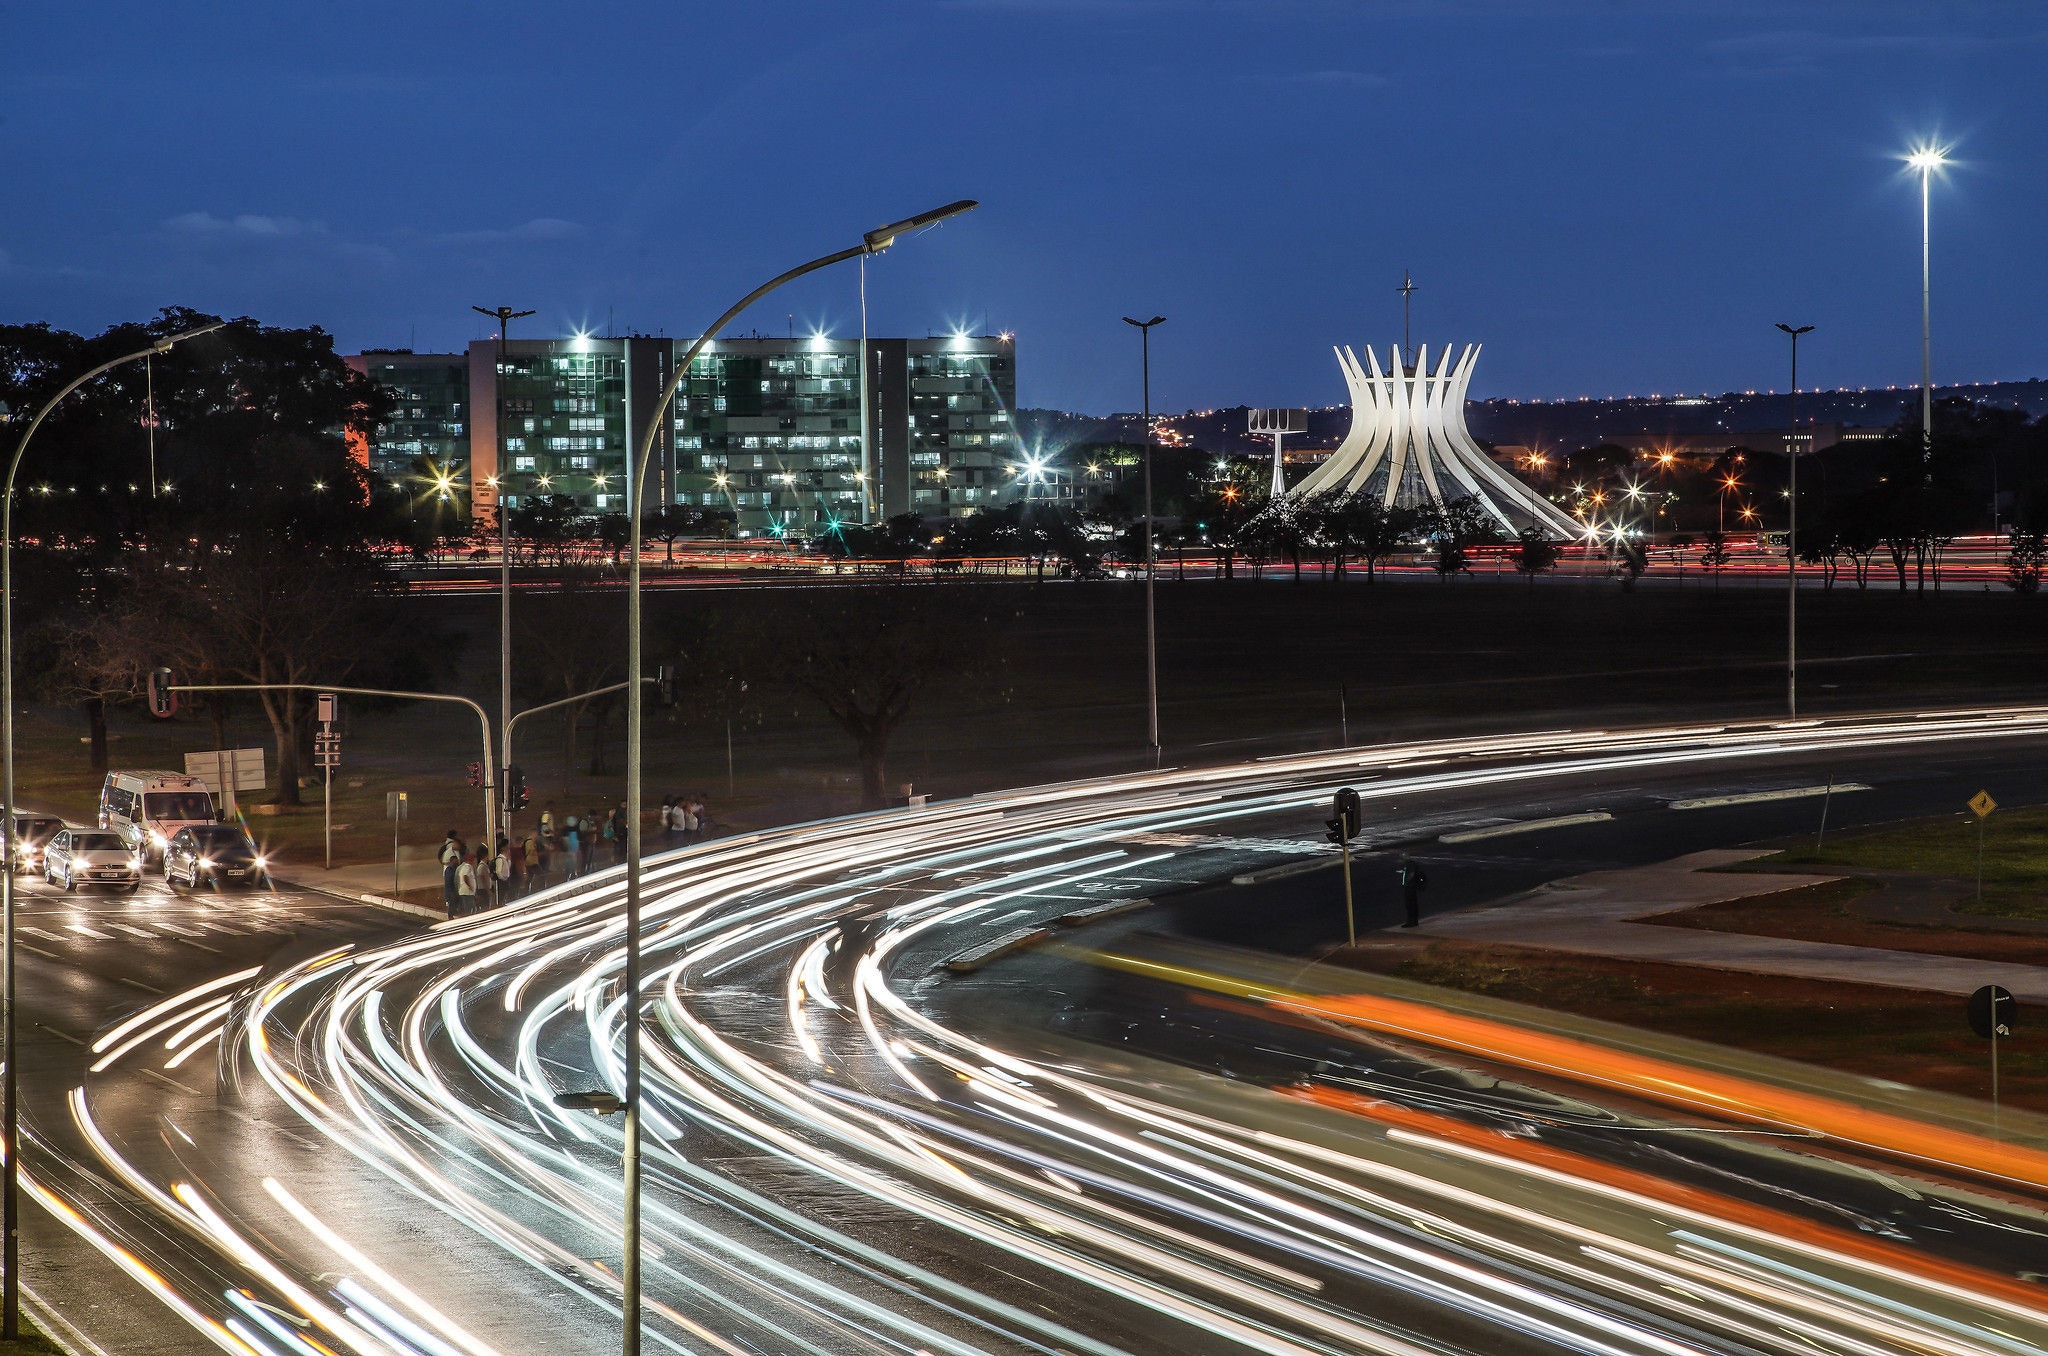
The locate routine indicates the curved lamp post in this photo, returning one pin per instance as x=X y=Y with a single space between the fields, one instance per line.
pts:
x=10 y=1214
x=1151 y=629
x=874 y=242
x=1792 y=533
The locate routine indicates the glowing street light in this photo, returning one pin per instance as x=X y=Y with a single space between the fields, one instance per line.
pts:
x=1926 y=160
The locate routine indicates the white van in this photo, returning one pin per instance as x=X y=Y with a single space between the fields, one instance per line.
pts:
x=146 y=808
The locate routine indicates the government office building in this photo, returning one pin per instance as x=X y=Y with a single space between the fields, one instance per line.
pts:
x=765 y=431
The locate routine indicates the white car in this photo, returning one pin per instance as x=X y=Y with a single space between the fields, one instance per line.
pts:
x=78 y=857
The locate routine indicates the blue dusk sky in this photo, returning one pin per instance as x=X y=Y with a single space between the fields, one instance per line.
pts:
x=1614 y=198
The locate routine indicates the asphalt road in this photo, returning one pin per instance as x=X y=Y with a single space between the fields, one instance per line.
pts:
x=852 y=1150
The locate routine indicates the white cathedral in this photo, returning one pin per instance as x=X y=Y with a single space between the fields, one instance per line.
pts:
x=1408 y=444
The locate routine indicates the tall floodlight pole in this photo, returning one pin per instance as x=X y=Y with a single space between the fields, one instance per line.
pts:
x=504 y=315
x=874 y=242
x=870 y=482
x=1926 y=161
x=10 y=1202
x=1792 y=536
x=1151 y=627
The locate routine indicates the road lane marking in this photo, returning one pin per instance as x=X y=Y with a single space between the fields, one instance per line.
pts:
x=35 y=931
x=1523 y=826
x=1758 y=797
x=144 y=933
x=65 y=1035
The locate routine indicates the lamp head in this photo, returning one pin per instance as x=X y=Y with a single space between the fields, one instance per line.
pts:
x=1146 y=324
x=882 y=237
x=1927 y=159
x=1790 y=330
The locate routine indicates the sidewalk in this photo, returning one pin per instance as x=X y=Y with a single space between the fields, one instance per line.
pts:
x=1594 y=915
x=370 y=883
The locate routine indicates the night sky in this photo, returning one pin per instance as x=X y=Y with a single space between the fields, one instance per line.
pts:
x=1614 y=198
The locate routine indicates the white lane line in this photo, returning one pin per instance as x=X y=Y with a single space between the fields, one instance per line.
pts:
x=34 y=931
x=1756 y=797
x=1523 y=826
x=93 y=933
x=144 y=933
x=168 y=926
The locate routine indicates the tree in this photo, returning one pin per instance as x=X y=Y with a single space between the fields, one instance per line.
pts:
x=1375 y=531
x=866 y=654
x=1821 y=544
x=1455 y=528
x=1714 y=555
x=2026 y=553
x=1535 y=553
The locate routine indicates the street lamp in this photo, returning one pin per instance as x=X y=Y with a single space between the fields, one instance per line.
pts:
x=1925 y=161
x=504 y=315
x=10 y=1216
x=1151 y=629
x=874 y=242
x=1792 y=534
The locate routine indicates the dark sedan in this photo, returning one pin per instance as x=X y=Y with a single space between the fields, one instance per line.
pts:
x=216 y=855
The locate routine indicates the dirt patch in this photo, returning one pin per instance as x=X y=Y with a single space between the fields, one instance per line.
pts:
x=1912 y=1038
x=1820 y=913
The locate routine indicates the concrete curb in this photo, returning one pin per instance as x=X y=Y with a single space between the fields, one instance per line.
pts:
x=378 y=901
x=58 y=1328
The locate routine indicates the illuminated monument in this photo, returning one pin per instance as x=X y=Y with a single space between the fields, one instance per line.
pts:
x=1409 y=446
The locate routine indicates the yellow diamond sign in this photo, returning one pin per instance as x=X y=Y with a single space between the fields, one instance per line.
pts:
x=1982 y=805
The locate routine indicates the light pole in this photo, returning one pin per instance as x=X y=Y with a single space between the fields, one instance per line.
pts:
x=1151 y=628
x=10 y=1203
x=1792 y=535
x=504 y=315
x=874 y=242
x=1926 y=161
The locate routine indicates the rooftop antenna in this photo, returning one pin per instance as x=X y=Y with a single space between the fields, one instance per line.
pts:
x=1406 y=289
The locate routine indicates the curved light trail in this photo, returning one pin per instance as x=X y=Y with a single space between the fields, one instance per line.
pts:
x=834 y=1168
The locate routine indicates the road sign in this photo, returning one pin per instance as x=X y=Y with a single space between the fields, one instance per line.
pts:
x=394 y=805
x=326 y=705
x=1993 y=1012
x=1982 y=805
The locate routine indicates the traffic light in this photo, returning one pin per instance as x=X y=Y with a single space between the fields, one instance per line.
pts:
x=163 y=703
x=665 y=683
x=1346 y=817
x=517 y=793
x=476 y=774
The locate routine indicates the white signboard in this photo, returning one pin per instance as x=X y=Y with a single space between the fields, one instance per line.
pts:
x=246 y=765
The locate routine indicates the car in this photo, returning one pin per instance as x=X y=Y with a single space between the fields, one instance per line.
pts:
x=146 y=807
x=216 y=855
x=78 y=857
x=32 y=833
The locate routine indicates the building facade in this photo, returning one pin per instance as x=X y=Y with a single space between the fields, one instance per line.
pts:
x=765 y=431
x=428 y=435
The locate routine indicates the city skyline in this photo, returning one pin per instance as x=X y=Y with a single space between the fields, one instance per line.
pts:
x=1610 y=204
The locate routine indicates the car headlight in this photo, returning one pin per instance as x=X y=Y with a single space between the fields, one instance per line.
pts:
x=157 y=840
x=262 y=862
x=136 y=861
x=206 y=863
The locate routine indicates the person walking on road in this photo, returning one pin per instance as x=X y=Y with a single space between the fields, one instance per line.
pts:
x=501 y=873
x=451 y=857
x=572 y=848
x=1414 y=880
x=465 y=886
x=520 y=861
x=537 y=849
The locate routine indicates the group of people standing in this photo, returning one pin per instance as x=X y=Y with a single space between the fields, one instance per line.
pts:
x=574 y=845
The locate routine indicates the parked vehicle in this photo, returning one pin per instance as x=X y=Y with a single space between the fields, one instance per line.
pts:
x=32 y=833
x=216 y=855
x=147 y=808
x=78 y=857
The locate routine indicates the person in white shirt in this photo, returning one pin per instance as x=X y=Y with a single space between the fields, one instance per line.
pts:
x=465 y=886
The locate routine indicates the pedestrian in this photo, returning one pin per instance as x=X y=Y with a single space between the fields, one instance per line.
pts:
x=619 y=835
x=572 y=856
x=1414 y=880
x=547 y=825
x=700 y=818
x=586 y=842
x=501 y=873
x=668 y=821
x=451 y=856
x=465 y=886
x=520 y=858
x=537 y=850
x=611 y=837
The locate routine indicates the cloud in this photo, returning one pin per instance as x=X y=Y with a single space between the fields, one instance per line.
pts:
x=538 y=230
x=247 y=224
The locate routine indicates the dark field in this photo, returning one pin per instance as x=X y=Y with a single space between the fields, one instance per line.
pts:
x=1246 y=668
